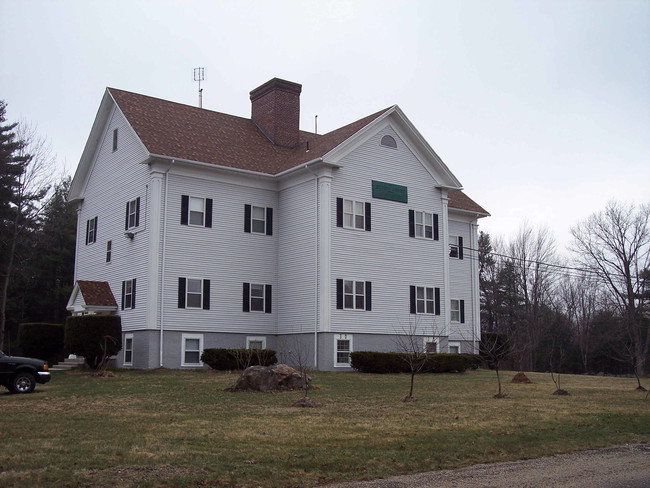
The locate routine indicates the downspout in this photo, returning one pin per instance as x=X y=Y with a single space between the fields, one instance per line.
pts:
x=162 y=274
x=315 y=269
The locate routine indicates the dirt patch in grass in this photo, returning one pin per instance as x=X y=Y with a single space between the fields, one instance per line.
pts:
x=306 y=402
x=561 y=392
x=132 y=475
x=521 y=378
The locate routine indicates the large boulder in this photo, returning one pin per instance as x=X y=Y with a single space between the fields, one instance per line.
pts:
x=278 y=377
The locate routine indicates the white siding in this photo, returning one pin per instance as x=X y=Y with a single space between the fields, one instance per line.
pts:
x=115 y=178
x=386 y=256
x=297 y=260
x=224 y=254
x=460 y=280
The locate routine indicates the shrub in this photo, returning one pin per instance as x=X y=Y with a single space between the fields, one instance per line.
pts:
x=393 y=362
x=95 y=337
x=231 y=359
x=41 y=340
x=378 y=362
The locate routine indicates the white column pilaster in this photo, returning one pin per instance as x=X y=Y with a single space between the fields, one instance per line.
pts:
x=476 y=290
x=444 y=238
x=154 y=235
x=324 y=252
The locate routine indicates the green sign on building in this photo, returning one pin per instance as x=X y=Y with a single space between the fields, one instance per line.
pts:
x=389 y=191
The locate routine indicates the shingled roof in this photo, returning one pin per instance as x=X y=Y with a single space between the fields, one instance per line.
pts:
x=460 y=201
x=185 y=132
x=97 y=293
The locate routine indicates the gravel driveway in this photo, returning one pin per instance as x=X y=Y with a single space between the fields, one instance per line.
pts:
x=626 y=466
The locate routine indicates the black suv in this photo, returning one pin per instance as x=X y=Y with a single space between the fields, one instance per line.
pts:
x=20 y=375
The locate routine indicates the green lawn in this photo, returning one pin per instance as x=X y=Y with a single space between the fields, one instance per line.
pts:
x=179 y=428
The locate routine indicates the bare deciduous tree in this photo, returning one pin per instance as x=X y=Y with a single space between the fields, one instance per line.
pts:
x=531 y=251
x=581 y=299
x=411 y=342
x=494 y=348
x=614 y=245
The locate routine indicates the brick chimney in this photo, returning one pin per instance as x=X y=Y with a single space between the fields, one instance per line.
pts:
x=276 y=111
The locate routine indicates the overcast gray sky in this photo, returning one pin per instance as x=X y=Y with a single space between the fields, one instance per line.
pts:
x=540 y=108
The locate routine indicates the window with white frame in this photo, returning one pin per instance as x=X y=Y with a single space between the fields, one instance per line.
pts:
x=194 y=293
x=354 y=216
x=342 y=349
x=258 y=220
x=256 y=342
x=430 y=345
x=192 y=348
x=128 y=294
x=114 y=140
x=128 y=350
x=455 y=310
x=257 y=298
x=109 y=251
x=424 y=225
x=132 y=218
x=354 y=295
x=454 y=246
x=196 y=211
x=424 y=300
x=454 y=347
x=91 y=230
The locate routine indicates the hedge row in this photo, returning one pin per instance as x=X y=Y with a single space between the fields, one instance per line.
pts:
x=233 y=359
x=393 y=362
x=41 y=340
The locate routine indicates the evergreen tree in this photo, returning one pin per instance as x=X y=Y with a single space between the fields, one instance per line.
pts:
x=12 y=166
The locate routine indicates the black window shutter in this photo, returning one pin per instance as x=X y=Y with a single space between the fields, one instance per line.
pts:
x=87 y=230
x=368 y=296
x=246 y=305
x=368 y=216
x=411 y=223
x=185 y=207
x=267 y=299
x=247 y=218
x=95 y=235
x=133 y=294
x=181 y=292
x=435 y=228
x=437 y=293
x=339 y=294
x=208 y=212
x=412 y=299
x=126 y=219
x=123 y=290
x=339 y=212
x=206 y=294
x=137 y=212
x=460 y=247
x=462 y=311
x=269 y=221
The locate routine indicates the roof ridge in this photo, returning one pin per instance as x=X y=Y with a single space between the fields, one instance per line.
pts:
x=185 y=105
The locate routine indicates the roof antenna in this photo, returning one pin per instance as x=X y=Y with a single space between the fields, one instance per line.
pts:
x=199 y=75
x=316 y=124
